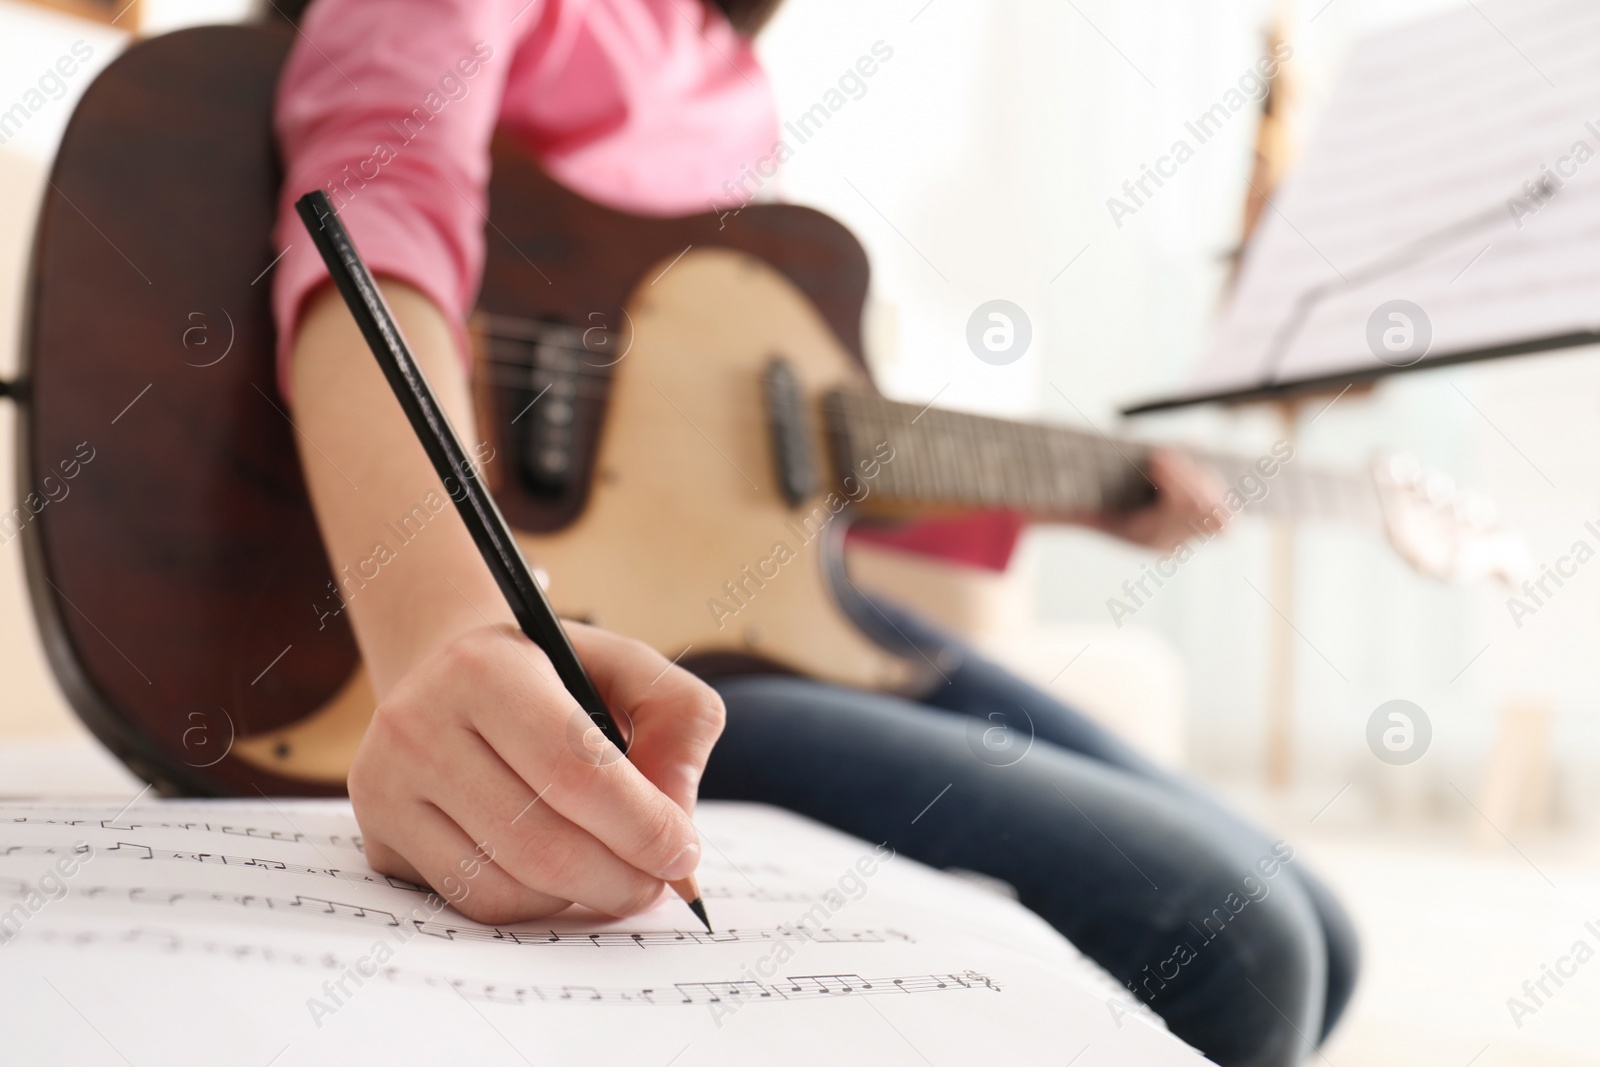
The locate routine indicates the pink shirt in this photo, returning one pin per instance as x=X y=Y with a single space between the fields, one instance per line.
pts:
x=650 y=106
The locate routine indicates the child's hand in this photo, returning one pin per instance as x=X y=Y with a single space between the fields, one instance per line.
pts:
x=1188 y=500
x=480 y=776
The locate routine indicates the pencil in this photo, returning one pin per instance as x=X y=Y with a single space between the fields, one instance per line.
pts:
x=488 y=527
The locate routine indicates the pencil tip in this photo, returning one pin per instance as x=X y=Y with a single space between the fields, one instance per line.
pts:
x=698 y=907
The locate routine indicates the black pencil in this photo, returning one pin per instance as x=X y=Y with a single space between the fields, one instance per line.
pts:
x=488 y=527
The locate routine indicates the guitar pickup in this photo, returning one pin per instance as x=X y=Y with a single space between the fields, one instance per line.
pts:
x=545 y=407
x=786 y=425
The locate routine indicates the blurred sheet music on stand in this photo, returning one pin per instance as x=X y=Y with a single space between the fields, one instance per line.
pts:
x=1446 y=211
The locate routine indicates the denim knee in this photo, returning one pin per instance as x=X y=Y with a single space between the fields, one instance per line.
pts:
x=1245 y=978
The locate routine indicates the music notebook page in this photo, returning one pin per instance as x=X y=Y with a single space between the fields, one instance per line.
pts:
x=1455 y=168
x=187 y=932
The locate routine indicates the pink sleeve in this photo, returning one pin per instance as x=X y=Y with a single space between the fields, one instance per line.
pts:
x=389 y=107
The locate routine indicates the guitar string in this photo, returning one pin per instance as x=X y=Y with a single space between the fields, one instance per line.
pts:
x=1076 y=446
x=1333 y=484
x=1330 y=493
x=1092 y=473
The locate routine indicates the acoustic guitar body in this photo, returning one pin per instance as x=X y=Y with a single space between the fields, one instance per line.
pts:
x=182 y=591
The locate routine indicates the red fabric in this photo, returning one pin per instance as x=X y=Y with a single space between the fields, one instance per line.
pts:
x=986 y=539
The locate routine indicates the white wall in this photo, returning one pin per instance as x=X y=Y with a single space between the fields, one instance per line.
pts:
x=32 y=40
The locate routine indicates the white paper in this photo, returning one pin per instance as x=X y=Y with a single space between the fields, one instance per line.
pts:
x=254 y=933
x=1416 y=187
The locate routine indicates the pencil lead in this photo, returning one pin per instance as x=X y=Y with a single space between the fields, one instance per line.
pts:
x=698 y=907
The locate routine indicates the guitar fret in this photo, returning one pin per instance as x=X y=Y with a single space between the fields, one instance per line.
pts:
x=872 y=428
x=840 y=430
x=941 y=475
x=946 y=480
x=1027 y=468
x=1039 y=446
x=952 y=459
x=905 y=475
x=1104 y=473
x=922 y=470
x=975 y=461
x=952 y=462
x=1006 y=469
x=1059 y=498
x=1016 y=471
x=995 y=487
x=1094 y=486
x=967 y=442
x=955 y=458
x=1071 y=492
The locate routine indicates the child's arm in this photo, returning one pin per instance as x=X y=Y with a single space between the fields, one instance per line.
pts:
x=472 y=750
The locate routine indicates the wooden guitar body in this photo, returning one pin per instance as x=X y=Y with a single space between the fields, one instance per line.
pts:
x=180 y=585
x=684 y=541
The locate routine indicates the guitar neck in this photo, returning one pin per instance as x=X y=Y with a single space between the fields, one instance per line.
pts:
x=953 y=461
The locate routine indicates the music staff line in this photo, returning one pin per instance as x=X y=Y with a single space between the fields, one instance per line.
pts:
x=351 y=841
x=145 y=853
x=789 y=988
x=776 y=990
x=333 y=909
x=134 y=850
x=128 y=825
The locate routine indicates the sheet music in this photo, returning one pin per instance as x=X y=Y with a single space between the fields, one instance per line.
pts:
x=255 y=933
x=1446 y=172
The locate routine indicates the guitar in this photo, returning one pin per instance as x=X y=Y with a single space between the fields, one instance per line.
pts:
x=677 y=416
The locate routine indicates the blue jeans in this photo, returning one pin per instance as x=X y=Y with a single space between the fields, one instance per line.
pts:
x=1222 y=931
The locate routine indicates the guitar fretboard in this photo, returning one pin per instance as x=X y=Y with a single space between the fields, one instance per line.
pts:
x=953 y=458
x=958 y=460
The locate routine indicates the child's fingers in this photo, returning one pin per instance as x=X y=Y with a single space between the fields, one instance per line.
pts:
x=532 y=842
x=529 y=722
x=519 y=707
x=441 y=855
x=675 y=717
x=672 y=742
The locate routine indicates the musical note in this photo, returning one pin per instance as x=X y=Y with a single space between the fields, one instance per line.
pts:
x=129 y=850
x=220 y=902
x=310 y=906
x=799 y=987
x=714 y=992
x=822 y=984
x=762 y=894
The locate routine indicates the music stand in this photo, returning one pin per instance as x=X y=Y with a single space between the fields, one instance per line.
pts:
x=1448 y=211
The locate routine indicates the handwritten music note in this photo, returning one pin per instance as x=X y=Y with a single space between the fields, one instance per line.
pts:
x=807 y=922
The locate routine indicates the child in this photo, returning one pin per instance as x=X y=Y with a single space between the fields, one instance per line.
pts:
x=650 y=106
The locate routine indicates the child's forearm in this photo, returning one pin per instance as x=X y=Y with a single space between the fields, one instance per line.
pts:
x=369 y=477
